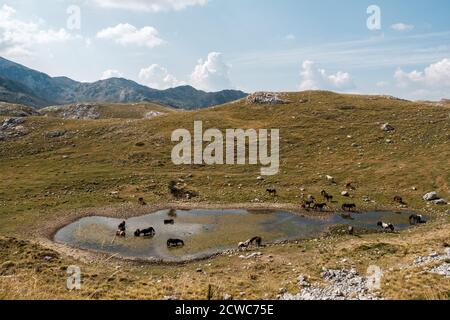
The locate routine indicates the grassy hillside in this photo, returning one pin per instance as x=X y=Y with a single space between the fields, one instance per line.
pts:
x=321 y=133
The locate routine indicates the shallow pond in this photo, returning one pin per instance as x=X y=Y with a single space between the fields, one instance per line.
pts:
x=207 y=232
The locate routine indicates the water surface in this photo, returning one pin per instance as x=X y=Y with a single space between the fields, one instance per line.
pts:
x=207 y=232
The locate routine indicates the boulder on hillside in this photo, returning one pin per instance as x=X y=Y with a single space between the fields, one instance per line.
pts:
x=431 y=196
x=440 y=202
x=387 y=127
x=153 y=114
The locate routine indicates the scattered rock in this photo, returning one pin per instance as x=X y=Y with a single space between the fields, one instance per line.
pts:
x=345 y=194
x=431 y=258
x=343 y=285
x=253 y=255
x=387 y=127
x=227 y=297
x=56 y=134
x=440 y=202
x=10 y=123
x=153 y=114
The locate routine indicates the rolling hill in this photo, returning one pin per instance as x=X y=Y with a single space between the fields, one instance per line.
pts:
x=19 y=84
x=54 y=170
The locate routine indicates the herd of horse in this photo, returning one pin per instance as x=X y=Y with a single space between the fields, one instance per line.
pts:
x=175 y=243
x=149 y=233
x=310 y=203
x=307 y=204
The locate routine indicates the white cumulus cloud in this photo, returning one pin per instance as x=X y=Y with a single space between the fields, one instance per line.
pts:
x=211 y=74
x=402 y=26
x=313 y=78
x=432 y=82
x=17 y=37
x=111 y=73
x=148 y=5
x=158 y=77
x=127 y=34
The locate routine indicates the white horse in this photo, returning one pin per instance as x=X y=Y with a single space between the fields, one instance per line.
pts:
x=244 y=245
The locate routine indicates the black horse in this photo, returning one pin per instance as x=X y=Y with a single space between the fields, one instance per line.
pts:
x=272 y=191
x=150 y=232
x=122 y=226
x=319 y=206
x=175 y=243
x=142 y=202
x=349 y=207
x=169 y=221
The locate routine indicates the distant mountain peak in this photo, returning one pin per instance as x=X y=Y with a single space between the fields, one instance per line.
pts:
x=37 y=89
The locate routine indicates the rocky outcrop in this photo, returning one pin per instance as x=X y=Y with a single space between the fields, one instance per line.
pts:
x=75 y=111
x=12 y=128
x=17 y=110
x=266 y=98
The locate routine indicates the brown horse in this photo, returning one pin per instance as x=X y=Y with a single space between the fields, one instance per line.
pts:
x=256 y=240
x=349 y=207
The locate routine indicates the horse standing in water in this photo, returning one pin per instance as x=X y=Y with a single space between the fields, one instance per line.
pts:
x=122 y=230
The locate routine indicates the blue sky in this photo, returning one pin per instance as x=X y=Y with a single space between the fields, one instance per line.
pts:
x=252 y=45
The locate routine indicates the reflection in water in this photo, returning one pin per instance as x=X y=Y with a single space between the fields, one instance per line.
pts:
x=207 y=232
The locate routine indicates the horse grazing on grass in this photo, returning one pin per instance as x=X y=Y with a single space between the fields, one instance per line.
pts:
x=327 y=196
x=142 y=202
x=349 y=207
x=256 y=240
x=272 y=192
x=244 y=245
x=399 y=200
x=319 y=206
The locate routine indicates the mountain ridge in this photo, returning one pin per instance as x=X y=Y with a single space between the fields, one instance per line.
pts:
x=20 y=84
